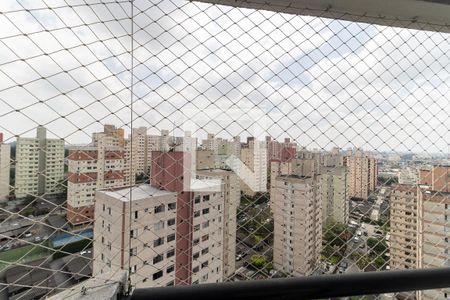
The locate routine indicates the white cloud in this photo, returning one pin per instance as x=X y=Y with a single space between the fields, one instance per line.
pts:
x=322 y=82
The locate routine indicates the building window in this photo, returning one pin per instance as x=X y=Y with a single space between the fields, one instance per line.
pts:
x=172 y=206
x=196 y=242
x=159 y=225
x=205 y=251
x=136 y=214
x=158 y=242
x=170 y=283
x=197 y=199
x=170 y=269
x=159 y=208
x=133 y=269
x=158 y=258
x=205 y=224
x=205 y=211
x=205 y=264
x=196 y=214
x=171 y=222
x=197 y=227
x=171 y=237
x=134 y=233
x=157 y=275
x=133 y=251
x=196 y=269
x=170 y=253
x=205 y=198
x=205 y=237
x=196 y=255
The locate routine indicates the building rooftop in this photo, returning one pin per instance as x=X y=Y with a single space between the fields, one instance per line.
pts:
x=137 y=192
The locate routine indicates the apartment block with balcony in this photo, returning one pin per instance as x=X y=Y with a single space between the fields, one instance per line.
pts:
x=200 y=217
x=434 y=236
x=207 y=237
x=230 y=187
x=404 y=227
x=297 y=209
x=335 y=195
x=5 y=154
x=362 y=174
x=39 y=165
x=96 y=166
x=135 y=230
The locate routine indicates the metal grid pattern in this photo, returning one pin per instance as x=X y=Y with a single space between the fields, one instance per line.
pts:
x=140 y=161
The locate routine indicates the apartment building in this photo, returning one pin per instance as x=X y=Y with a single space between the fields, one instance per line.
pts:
x=404 y=227
x=231 y=192
x=5 y=154
x=280 y=151
x=408 y=175
x=334 y=193
x=39 y=165
x=143 y=244
x=205 y=159
x=99 y=165
x=434 y=247
x=200 y=218
x=297 y=224
x=362 y=174
x=254 y=156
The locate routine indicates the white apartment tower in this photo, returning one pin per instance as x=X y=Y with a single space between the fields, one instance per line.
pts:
x=5 y=153
x=297 y=212
x=254 y=156
x=39 y=165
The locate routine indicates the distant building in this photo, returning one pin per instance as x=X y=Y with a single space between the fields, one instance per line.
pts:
x=362 y=174
x=297 y=224
x=96 y=166
x=205 y=159
x=404 y=227
x=39 y=165
x=254 y=156
x=408 y=176
x=334 y=193
x=5 y=154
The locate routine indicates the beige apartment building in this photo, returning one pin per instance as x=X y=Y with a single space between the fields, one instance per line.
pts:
x=150 y=254
x=335 y=195
x=404 y=227
x=5 y=154
x=39 y=165
x=231 y=192
x=99 y=165
x=154 y=233
x=362 y=174
x=208 y=231
x=297 y=224
x=434 y=230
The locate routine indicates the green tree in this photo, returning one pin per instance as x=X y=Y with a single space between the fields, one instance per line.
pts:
x=258 y=261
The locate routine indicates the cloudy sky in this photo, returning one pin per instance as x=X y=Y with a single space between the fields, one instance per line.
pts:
x=322 y=82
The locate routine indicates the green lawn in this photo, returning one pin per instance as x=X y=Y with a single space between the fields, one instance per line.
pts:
x=22 y=255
